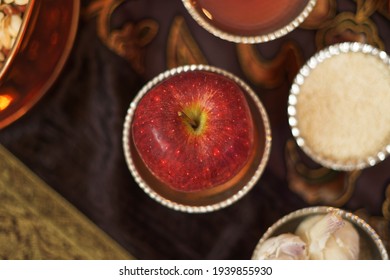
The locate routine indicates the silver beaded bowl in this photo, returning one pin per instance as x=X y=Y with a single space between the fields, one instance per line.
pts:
x=214 y=198
x=259 y=38
x=371 y=246
x=314 y=64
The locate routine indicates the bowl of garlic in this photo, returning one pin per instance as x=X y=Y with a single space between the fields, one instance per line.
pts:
x=320 y=233
x=36 y=37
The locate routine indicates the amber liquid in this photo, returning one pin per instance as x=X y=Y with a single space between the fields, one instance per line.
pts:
x=249 y=17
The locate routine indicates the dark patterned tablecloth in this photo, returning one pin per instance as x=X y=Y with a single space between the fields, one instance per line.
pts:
x=72 y=137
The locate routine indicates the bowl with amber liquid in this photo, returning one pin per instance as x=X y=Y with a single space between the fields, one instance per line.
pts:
x=250 y=21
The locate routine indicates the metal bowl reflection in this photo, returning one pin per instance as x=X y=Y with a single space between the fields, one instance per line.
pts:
x=273 y=28
x=37 y=56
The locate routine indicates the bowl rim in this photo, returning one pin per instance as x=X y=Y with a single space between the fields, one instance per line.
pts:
x=19 y=109
x=19 y=39
x=179 y=206
x=293 y=99
x=356 y=220
x=261 y=38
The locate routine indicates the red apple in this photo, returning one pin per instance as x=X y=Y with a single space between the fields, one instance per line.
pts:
x=194 y=130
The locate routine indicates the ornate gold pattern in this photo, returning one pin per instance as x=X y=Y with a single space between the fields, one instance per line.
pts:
x=128 y=41
x=270 y=73
x=37 y=223
x=379 y=224
x=384 y=8
x=347 y=26
x=323 y=12
x=181 y=47
x=386 y=204
x=318 y=185
x=366 y=8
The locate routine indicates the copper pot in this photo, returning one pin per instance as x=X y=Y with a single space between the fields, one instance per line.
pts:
x=38 y=55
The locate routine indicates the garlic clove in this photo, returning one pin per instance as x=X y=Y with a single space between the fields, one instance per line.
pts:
x=6 y=40
x=286 y=246
x=329 y=237
x=343 y=239
x=14 y=26
x=21 y=2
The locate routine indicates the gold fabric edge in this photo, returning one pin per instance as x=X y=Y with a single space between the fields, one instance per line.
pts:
x=71 y=225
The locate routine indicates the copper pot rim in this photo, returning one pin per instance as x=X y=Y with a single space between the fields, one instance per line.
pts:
x=29 y=99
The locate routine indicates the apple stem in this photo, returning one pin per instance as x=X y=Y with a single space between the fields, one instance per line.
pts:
x=194 y=124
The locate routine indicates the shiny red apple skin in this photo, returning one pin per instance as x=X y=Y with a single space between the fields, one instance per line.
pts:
x=188 y=159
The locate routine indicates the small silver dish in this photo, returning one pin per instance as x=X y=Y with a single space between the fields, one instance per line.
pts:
x=354 y=116
x=371 y=246
x=210 y=199
x=261 y=37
